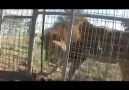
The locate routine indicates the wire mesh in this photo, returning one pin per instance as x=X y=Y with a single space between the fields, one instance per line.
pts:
x=14 y=41
x=100 y=52
x=98 y=47
x=49 y=62
x=109 y=40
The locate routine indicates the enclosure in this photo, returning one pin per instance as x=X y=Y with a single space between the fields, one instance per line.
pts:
x=64 y=44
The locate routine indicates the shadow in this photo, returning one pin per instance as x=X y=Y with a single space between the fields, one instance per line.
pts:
x=12 y=75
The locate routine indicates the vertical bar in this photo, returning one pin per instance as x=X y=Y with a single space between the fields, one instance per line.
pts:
x=66 y=54
x=31 y=39
x=42 y=41
x=1 y=14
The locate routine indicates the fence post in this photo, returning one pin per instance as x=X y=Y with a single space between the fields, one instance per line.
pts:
x=31 y=40
x=42 y=40
x=66 y=54
x=1 y=14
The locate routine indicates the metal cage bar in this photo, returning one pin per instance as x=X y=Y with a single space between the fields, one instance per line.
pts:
x=66 y=54
x=1 y=13
x=42 y=41
x=88 y=15
x=54 y=13
x=65 y=57
x=14 y=16
x=31 y=39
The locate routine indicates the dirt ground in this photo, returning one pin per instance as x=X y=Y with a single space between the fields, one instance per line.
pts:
x=93 y=71
x=90 y=70
x=11 y=64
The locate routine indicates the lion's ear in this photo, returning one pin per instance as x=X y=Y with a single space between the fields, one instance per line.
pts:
x=60 y=44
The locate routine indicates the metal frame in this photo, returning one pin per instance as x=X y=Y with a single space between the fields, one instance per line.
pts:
x=66 y=54
x=31 y=40
x=31 y=36
x=71 y=14
x=67 y=14
x=32 y=32
x=42 y=40
x=1 y=14
x=103 y=17
x=33 y=18
x=54 y=13
x=14 y=16
x=87 y=15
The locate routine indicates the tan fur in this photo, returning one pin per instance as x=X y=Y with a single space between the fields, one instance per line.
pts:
x=62 y=44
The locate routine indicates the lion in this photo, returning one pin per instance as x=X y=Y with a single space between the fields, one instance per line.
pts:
x=86 y=40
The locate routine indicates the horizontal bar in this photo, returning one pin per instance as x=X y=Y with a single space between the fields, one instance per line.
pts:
x=13 y=16
x=88 y=15
x=79 y=15
x=103 y=17
x=14 y=50
x=55 y=13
